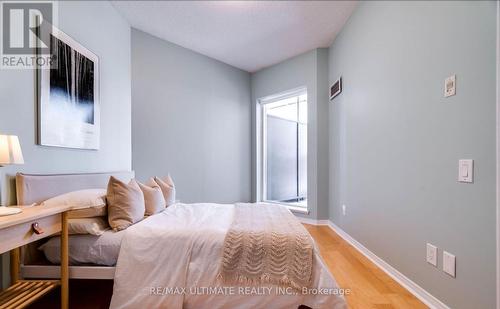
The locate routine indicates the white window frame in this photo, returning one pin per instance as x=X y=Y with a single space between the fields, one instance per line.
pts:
x=262 y=150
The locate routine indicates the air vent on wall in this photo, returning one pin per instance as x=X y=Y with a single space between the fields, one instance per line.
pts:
x=336 y=88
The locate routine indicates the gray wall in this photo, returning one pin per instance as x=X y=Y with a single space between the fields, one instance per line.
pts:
x=190 y=118
x=305 y=70
x=323 y=125
x=107 y=34
x=396 y=142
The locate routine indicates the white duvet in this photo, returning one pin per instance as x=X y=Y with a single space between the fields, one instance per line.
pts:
x=171 y=260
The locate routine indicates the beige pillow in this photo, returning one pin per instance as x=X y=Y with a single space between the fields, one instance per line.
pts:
x=167 y=188
x=154 y=201
x=94 y=226
x=92 y=212
x=125 y=203
x=86 y=203
x=79 y=199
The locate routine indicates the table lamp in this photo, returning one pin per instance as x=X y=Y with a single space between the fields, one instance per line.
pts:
x=10 y=153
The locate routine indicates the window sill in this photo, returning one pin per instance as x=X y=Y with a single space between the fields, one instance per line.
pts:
x=293 y=208
x=296 y=209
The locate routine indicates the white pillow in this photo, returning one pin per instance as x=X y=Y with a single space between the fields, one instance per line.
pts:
x=79 y=199
x=93 y=226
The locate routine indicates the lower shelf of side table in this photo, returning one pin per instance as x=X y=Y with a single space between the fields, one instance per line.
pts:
x=24 y=292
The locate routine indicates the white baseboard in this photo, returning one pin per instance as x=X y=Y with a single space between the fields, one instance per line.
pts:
x=426 y=297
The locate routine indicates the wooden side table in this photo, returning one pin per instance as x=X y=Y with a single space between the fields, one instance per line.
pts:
x=34 y=223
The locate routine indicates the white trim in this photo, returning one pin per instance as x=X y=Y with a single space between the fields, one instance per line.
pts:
x=282 y=95
x=291 y=206
x=263 y=154
x=261 y=150
x=406 y=282
x=75 y=272
x=498 y=154
x=298 y=209
x=258 y=152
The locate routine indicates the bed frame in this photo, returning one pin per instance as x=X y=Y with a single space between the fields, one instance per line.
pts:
x=38 y=188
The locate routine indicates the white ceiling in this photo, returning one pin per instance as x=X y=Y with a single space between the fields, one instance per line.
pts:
x=249 y=35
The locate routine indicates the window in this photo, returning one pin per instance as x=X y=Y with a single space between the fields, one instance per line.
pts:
x=284 y=149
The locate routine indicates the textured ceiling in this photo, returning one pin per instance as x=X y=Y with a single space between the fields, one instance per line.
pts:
x=249 y=35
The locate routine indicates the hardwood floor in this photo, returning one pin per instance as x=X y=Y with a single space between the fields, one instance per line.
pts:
x=370 y=286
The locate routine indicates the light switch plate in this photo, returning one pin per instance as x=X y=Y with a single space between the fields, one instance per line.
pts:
x=343 y=209
x=432 y=254
x=450 y=86
x=466 y=170
x=449 y=265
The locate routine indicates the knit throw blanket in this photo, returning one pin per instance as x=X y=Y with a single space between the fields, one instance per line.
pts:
x=266 y=244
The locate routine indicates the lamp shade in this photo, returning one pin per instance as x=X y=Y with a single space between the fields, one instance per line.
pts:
x=10 y=150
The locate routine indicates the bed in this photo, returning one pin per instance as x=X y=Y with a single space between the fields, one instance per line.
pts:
x=168 y=260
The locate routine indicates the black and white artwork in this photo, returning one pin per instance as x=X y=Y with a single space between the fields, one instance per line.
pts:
x=68 y=111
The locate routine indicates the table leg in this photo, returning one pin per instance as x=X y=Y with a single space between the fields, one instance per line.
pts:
x=64 y=262
x=14 y=265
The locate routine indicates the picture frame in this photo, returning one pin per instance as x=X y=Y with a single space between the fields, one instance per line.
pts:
x=68 y=104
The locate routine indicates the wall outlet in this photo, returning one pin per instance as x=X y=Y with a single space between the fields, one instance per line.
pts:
x=450 y=86
x=449 y=265
x=343 y=210
x=432 y=254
